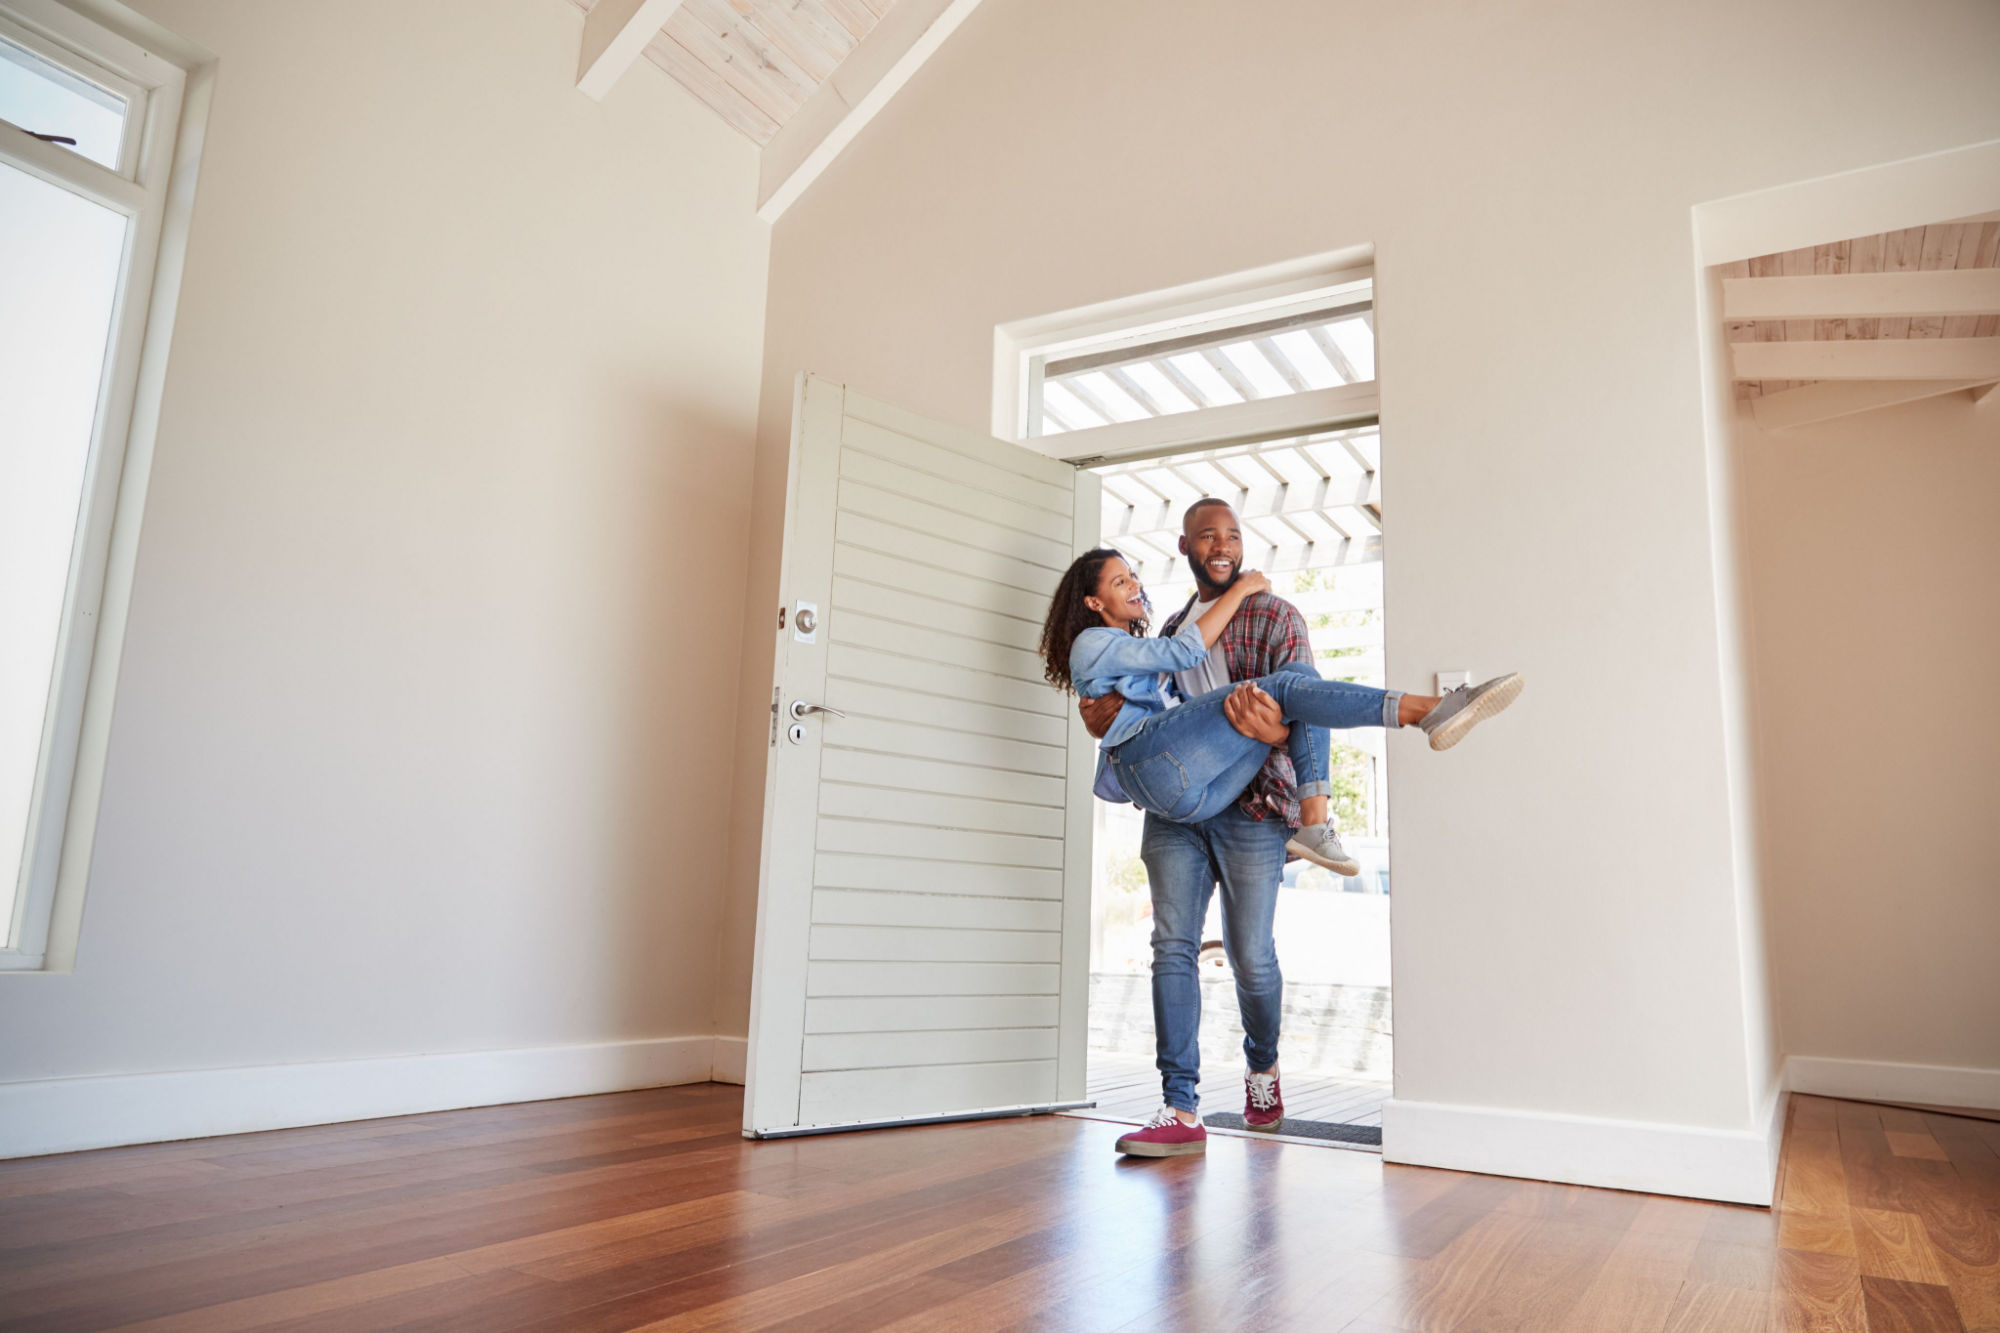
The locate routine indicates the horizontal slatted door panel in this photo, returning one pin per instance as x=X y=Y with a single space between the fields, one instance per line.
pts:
x=928 y=644
x=931 y=979
x=910 y=807
x=900 y=773
x=873 y=535
x=890 y=667
x=903 y=607
x=899 y=1050
x=912 y=515
x=899 y=874
x=940 y=585
x=939 y=844
x=860 y=1096
x=953 y=497
x=936 y=940
x=914 y=740
x=867 y=440
x=946 y=911
x=890 y=1013
x=887 y=703
x=920 y=944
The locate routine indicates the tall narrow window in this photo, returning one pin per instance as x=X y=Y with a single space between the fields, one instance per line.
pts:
x=87 y=133
x=59 y=261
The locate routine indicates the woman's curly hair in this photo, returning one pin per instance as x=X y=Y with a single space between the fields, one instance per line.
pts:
x=1070 y=616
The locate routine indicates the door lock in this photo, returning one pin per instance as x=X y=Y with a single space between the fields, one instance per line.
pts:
x=796 y=733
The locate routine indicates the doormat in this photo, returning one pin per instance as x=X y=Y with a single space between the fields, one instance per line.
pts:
x=1305 y=1129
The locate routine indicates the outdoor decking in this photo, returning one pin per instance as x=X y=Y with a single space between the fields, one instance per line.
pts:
x=1127 y=1088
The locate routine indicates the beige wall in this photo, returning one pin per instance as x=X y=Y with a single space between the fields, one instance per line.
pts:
x=416 y=746
x=1870 y=552
x=1570 y=926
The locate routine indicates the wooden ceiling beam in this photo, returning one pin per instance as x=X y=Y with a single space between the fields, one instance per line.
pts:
x=878 y=67
x=1976 y=359
x=1830 y=399
x=1966 y=291
x=614 y=33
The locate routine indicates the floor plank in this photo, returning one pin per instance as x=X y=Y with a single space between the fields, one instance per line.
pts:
x=648 y=1210
x=1909 y=1307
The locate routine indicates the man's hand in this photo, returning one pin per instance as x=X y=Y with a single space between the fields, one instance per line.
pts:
x=1100 y=713
x=1256 y=714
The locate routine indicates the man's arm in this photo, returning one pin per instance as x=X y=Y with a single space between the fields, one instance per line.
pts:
x=1100 y=713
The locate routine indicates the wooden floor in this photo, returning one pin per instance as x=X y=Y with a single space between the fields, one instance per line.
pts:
x=1127 y=1088
x=646 y=1210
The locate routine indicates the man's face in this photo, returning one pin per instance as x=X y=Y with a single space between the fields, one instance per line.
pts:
x=1212 y=540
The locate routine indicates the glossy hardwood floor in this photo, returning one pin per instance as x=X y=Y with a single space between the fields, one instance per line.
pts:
x=646 y=1210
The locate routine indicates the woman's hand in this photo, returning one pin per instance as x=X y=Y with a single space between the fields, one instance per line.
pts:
x=1251 y=582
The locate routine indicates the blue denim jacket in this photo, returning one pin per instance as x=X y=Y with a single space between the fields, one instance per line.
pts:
x=1104 y=660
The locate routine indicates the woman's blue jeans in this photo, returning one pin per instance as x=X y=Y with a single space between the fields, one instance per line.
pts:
x=1189 y=764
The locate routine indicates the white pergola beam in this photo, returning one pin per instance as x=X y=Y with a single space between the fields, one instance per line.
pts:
x=1972 y=359
x=1969 y=291
x=1261 y=419
x=614 y=33
x=873 y=72
x=1830 y=399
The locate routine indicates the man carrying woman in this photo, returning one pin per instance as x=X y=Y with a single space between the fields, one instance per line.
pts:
x=1214 y=756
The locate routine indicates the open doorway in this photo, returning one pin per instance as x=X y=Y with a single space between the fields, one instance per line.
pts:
x=1259 y=390
x=1311 y=516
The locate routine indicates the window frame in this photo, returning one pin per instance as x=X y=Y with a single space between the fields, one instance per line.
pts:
x=1319 y=282
x=86 y=68
x=168 y=83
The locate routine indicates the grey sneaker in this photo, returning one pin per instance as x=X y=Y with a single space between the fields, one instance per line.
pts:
x=1320 y=844
x=1467 y=706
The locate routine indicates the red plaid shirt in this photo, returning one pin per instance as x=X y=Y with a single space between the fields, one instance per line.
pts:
x=1265 y=633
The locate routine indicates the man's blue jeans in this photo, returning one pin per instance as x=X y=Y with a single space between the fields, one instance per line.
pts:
x=1183 y=864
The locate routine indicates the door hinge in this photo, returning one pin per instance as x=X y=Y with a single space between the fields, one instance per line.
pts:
x=776 y=690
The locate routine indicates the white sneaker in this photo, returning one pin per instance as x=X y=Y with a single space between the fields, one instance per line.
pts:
x=1320 y=844
x=1467 y=706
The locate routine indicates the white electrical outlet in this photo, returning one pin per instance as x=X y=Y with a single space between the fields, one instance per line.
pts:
x=1451 y=680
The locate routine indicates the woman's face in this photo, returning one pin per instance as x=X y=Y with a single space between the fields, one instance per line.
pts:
x=1120 y=599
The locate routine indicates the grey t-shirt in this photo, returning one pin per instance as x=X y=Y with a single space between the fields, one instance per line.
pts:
x=1212 y=674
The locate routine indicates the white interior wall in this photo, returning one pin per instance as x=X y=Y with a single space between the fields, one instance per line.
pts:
x=417 y=743
x=1870 y=546
x=1572 y=932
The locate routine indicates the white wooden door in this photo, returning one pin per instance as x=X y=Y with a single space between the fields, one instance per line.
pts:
x=923 y=904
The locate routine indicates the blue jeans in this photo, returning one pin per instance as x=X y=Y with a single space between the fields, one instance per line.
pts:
x=1184 y=862
x=1189 y=764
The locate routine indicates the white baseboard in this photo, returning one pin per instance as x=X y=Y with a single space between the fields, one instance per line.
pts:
x=732 y=1059
x=1886 y=1081
x=68 y=1114
x=1735 y=1166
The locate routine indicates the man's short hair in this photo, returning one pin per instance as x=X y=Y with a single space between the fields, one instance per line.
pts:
x=1187 y=519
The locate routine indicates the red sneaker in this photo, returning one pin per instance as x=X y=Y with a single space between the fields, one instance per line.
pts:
x=1263 y=1104
x=1165 y=1136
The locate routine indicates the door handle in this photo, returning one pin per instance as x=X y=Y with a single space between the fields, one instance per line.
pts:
x=800 y=708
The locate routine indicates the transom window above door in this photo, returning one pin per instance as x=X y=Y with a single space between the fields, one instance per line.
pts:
x=1271 y=358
